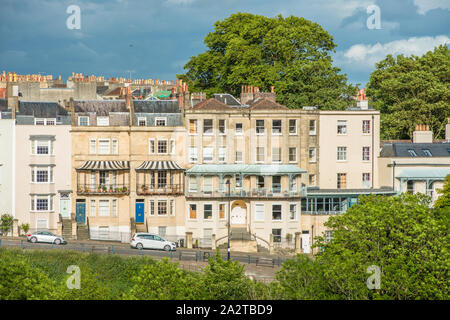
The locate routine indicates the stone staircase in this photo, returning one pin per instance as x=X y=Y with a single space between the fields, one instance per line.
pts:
x=140 y=227
x=67 y=229
x=82 y=232
x=241 y=240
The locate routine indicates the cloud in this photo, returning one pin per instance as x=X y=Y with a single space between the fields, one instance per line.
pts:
x=370 y=54
x=423 y=6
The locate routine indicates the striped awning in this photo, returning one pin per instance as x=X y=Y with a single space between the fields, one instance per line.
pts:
x=159 y=165
x=105 y=165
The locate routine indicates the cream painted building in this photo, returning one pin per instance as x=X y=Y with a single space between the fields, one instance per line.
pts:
x=7 y=161
x=41 y=187
x=420 y=166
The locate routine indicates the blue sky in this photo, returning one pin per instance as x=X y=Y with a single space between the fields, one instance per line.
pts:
x=155 y=38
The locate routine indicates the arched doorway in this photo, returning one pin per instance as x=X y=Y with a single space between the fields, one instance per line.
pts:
x=238 y=213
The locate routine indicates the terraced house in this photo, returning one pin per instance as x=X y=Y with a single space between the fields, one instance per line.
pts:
x=125 y=174
x=246 y=158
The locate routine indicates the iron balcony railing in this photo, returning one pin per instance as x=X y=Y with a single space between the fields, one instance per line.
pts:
x=151 y=189
x=248 y=193
x=103 y=188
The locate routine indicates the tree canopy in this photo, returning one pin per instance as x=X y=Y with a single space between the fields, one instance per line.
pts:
x=406 y=239
x=412 y=90
x=292 y=54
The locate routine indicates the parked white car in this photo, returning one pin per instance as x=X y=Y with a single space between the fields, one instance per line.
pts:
x=45 y=236
x=151 y=241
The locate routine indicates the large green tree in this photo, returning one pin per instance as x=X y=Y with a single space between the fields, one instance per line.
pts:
x=293 y=54
x=412 y=90
x=406 y=239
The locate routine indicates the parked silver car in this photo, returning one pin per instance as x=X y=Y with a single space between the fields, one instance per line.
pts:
x=45 y=236
x=151 y=241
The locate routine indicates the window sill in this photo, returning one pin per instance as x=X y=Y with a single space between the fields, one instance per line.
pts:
x=293 y=134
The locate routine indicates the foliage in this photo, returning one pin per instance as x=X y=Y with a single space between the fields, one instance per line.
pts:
x=19 y=281
x=163 y=280
x=293 y=54
x=25 y=227
x=401 y=235
x=443 y=201
x=412 y=90
x=6 y=222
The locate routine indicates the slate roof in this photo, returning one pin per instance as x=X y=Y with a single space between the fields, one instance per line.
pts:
x=227 y=99
x=100 y=107
x=392 y=150
x=41 y=109
x=156 y=106
x=212 y=104
x=266 y=104
x=382 y=190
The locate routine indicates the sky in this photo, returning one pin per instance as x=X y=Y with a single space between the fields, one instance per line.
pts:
x=155 y=38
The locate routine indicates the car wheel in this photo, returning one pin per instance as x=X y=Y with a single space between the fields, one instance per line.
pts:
x=139 y=246
x=167 y=247
x=57 y=242
x=33 y=239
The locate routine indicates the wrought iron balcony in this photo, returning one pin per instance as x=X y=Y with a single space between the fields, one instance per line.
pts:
x=248 y=193
x=159 y=189
x=113 y=189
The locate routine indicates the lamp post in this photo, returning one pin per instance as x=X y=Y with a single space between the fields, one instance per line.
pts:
x=229 y=214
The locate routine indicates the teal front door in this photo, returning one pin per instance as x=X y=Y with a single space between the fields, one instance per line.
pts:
x=81 y=212
x=139 y=212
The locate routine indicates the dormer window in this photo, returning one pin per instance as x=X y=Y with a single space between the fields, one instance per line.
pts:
x=427 y=152
x=83 y=121
x=103 y=121
x=412 y=153
x=161 y=122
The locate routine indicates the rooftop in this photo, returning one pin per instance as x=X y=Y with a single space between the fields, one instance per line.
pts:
x=414 y=150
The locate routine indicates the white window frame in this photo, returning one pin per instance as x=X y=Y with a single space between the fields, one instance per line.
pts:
x=93 y=208
x=114 y=207
x=366 y=153
x=225 y=210
x=151 y=145
x=296 y=211
x=235 y=155
x=151 y=207
x=100 y=214
x=34 y=147
x=289 y=155
x=313 y=159
x=167 y=207
x=212 y=128
x=142 y=119
x=212 y=211
x=50 y=175
x=172 y=146
x=208 y=188
x=289 y=127
x=341 y=151
x=34 y=199
x=260 y=204
x=280 y=155
x=281 y=211
x=92 y=148
x=281 y=128
x=263 y=154
x=312 y=132
x=160 y=119
x=340 y=123
x=167 y=146
x=222 y=154
x=115 y=146
x=363 y=127
x=239 y=133
x=211 y=153
x=102 y=121
x=172 y=210
x=224 y=127
x=79 y=121
x=256 y=127
x=195 y=121
x=193 y=151
x=109 y=146
x=193 y=178
x=188 y=207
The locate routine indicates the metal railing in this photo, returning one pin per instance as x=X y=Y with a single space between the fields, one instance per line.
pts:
x=103 y=188
x=109 y=235
x=151 y=189
x=249 y=193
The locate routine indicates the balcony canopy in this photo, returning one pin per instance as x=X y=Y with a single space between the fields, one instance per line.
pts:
x=159 y=165
x=424 y=173
x=105 y=165
x=246 y=169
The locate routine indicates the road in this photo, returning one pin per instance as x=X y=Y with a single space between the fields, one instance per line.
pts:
x=189 y=259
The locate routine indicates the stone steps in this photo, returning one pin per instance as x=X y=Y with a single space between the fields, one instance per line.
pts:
x=82 y=232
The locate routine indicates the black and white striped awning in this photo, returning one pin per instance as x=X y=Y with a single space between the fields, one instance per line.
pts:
x=159 y=165
x=105 y=165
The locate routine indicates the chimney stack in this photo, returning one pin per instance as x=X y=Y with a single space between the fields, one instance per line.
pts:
x=422 y=134
x=362 y=102
x=72 y=111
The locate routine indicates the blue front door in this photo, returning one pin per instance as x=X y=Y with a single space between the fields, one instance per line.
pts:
x=81 y=212
x=139 y=212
